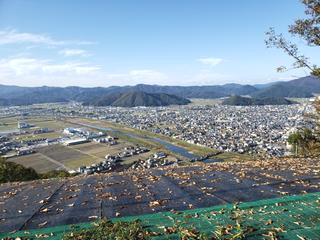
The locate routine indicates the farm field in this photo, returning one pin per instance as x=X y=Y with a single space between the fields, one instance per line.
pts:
x=38 y=136
x=67 y=156
x=52 y=124
x=8 y=124
x=72 y=157
x=58 y=156
x=55 y=157
x=11 y=123
x=99 y=151
x=36 y=161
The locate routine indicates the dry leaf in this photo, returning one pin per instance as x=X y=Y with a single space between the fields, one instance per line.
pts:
x=42 y=224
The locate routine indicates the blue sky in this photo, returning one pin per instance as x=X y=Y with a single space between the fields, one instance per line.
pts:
x=167 y=42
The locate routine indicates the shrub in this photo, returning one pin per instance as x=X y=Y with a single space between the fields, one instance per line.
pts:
x=11 y=172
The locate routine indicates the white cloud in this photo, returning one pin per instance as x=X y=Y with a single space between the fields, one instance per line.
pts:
x=77 y=68
x=37 y=72
x=11 y=36
x=15 y=37
x=210 y=61
x=74 y=52
x=21 y=66
x=32 y=66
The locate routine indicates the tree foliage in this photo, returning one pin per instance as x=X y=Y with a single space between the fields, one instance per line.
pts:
x=307 y=29
x=303 y=141
x=11 y=172
x=55 y=174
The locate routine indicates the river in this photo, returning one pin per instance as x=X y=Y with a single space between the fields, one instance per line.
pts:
x=167 y=145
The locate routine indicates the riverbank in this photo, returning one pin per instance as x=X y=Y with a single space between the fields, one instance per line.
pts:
x=177 y=147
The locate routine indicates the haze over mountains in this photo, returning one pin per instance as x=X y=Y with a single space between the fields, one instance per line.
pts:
x=251 y=101
x=142 y=94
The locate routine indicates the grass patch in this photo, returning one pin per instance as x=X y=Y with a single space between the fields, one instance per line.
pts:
x=136 y=140
x=108 y=230
x=230 y=156
x=11 y=123
x=196 y=149
x=36 y=161
x=38 y=136
x=83 y=161
x=7 y=125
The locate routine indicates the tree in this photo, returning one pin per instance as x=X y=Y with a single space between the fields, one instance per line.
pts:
x=12 y=172
x=55 y=174
x=294 y=139
x=307 y=29
x=303 y=141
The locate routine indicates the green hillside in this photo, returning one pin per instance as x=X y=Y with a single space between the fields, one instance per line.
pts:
x=134 y=99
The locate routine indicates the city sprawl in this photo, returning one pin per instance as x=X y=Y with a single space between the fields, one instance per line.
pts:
x=252 y=129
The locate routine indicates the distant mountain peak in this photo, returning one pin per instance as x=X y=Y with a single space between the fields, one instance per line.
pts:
x=14 y=95
x=138 y=98
x=248 y=101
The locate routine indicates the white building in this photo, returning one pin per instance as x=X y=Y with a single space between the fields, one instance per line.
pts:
x=75 y=141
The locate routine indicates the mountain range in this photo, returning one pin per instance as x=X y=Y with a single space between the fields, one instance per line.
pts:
x=251 y=101
x=135 y=99
x=14 y=95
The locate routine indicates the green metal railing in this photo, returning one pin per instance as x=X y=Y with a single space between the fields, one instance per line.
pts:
x=292 y=217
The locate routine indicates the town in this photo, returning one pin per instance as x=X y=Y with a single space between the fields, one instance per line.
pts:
x=135 y=120
x=253 y=130
x=72 y=148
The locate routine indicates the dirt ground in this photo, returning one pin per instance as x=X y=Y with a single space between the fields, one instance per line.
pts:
x=35 y=161
x=72 y=157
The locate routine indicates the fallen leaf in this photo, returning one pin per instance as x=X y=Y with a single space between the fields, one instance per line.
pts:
x=42 y=224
